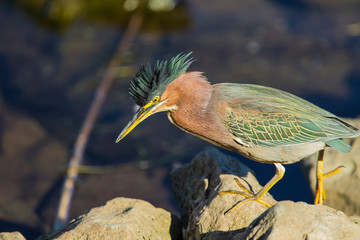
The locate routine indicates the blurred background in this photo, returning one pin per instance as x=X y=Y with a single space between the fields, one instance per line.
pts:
x=54 y=53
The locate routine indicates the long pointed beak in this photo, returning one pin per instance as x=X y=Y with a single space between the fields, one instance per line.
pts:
x=139 y=116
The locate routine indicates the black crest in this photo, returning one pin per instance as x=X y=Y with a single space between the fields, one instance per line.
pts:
x=152 y=80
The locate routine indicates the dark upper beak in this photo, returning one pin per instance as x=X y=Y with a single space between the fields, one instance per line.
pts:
x=139 y=116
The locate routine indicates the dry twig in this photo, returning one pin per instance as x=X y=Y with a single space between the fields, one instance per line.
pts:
x=72 y=174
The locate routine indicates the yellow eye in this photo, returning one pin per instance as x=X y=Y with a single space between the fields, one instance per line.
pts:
x=155 y=99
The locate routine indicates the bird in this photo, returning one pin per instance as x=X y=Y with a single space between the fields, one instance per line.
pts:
x=262 y=123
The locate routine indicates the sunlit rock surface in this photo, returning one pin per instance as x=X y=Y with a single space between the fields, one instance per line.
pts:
x=289 y=220
x=121 y=218
x=11 y=236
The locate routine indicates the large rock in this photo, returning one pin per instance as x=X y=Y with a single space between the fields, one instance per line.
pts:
x=11 y=236
x=289 y=220
x=342 y=189
x=122 y=218
x=196 y=187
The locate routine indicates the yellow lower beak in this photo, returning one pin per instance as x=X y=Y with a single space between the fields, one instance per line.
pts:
x=139 y=116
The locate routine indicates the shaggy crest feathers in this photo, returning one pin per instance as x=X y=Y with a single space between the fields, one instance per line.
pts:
x=152 y=80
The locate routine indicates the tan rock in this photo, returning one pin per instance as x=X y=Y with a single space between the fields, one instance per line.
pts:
x=289 y=220
x=122 y=218
x=355 y=219
x=11 y=236
x=342 y=189
x=196 y=186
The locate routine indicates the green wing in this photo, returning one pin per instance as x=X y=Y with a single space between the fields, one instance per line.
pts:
x=267 y=117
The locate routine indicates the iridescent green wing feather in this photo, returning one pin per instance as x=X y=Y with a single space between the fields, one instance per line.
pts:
x=272 y=129
x=267 y=117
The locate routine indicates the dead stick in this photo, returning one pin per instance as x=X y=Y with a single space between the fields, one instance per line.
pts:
x=63 y=212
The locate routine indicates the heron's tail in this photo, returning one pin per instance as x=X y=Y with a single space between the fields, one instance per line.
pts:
x=339 y=144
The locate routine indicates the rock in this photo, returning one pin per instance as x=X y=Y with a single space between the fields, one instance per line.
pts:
x=342 y=189
x=355 y=219
x=196 y=186
x=289 y=220
x=11 y=236
x=122 y=218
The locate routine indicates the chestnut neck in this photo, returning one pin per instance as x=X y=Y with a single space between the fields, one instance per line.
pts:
x=191 y=94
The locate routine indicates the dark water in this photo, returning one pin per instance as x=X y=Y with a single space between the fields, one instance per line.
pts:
x=52 y=59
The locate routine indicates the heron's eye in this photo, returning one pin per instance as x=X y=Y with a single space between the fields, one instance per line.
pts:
x=155 y=99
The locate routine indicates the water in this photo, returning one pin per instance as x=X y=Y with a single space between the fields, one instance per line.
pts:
x=50 y=66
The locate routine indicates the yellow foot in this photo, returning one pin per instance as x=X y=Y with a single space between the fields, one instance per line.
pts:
x=320 y=190
x=280 y=170
x=248 y=197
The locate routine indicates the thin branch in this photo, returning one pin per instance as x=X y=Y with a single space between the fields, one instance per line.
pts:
x=63 y=212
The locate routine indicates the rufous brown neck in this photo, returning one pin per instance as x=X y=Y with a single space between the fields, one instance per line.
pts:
x=190 y=94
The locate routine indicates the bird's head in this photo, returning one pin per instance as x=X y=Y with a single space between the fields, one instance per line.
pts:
x=149 y=85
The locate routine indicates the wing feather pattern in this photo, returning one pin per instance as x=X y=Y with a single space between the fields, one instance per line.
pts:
x=268 y=117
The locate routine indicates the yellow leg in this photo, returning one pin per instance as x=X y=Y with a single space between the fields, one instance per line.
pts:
x=320 y=190
x=280 y=170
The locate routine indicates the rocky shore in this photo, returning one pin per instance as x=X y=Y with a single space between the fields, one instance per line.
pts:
x=203 y=211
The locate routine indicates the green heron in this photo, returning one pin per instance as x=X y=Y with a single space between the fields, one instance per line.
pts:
x=261 y=123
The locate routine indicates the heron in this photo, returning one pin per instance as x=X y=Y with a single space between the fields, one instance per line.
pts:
x=259 y=122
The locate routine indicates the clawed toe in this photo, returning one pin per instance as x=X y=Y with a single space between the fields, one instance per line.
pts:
x=248 y=197
x=280 y=170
